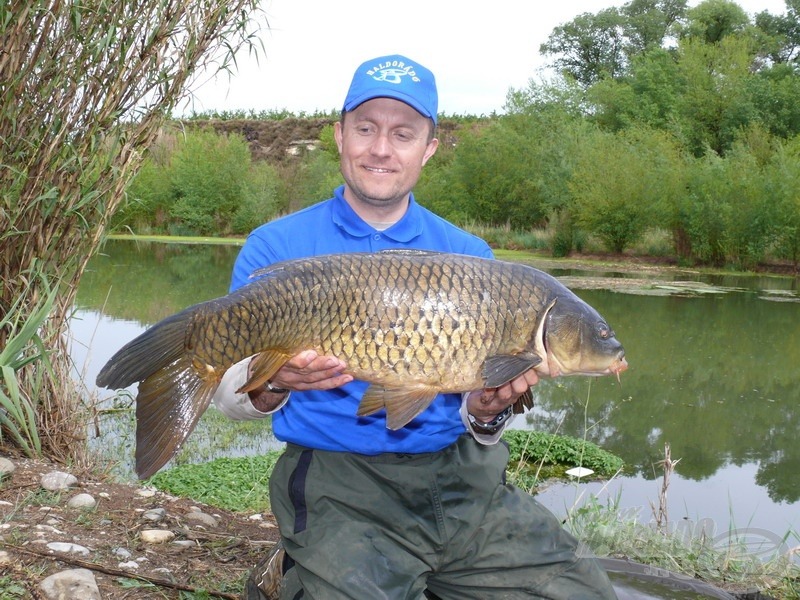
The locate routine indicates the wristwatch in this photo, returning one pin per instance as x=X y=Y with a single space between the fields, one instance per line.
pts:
x=492 y=426
x=275 y=390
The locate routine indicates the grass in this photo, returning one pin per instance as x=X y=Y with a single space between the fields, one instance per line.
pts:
x=536 y=456
x=236 y=484
x=725 y=559
x=241 y=483
x=11 y=589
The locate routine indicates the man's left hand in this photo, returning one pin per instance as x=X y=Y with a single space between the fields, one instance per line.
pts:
x=487 y=403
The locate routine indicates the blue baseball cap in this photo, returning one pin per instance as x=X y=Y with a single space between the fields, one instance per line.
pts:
x=397 y=77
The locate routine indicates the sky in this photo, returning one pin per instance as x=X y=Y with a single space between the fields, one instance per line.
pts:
x=477 y=51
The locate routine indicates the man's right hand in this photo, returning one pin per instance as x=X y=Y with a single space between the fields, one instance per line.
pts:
x=304 y=371
x=310 y=371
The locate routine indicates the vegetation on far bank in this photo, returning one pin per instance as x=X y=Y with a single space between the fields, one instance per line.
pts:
x=671 y=124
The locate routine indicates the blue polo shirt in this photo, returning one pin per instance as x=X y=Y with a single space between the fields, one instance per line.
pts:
x=327 y=419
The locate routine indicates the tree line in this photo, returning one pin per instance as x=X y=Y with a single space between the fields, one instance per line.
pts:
x=659 y=117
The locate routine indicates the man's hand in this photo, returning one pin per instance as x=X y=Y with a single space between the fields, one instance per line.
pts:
x=305 y=371
x=309 y=371
x=487 y=403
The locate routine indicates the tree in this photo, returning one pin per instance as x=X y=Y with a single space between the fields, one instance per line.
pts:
x=210 y=177
x=713 y=20
x=648 y=95
x=783 y=31
x=714 y=103
x=650 y=22
x=590 y=47
x=624 y=183
x=85 y=86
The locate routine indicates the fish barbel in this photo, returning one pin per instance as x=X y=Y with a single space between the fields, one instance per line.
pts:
x=411 y=323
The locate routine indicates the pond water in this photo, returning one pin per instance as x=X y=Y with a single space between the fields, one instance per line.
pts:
x=713 y=373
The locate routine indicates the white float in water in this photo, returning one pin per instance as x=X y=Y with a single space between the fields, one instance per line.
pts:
x=579 y=472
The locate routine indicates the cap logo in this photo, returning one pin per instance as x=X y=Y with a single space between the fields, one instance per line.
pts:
x=396 y=77
x=392 y=72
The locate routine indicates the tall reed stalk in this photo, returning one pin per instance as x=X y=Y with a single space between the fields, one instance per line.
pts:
x=84 y=88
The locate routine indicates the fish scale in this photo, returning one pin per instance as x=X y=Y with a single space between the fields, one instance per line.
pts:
x=411 y=323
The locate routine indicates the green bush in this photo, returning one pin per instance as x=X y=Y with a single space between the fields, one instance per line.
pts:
x=625 y=183
x=535 y=455
x=210 y=175
x=237 y=484
x=260 y=201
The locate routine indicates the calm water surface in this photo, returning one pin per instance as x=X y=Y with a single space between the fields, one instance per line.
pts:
x=715 y=376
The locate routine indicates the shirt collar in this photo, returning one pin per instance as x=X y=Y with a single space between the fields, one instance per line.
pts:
x=405 y=230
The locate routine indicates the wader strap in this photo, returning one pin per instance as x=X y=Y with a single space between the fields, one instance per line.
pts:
x=297 y=490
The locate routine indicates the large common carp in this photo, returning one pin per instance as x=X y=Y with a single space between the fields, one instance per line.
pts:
x=411 y=323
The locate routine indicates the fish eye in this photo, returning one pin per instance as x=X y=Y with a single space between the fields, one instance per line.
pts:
x=604 y=331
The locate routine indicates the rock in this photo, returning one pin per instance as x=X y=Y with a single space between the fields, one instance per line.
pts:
x=156 y=536
x=57 y=481
x=122 y=553
x=84 y=501
x=74 y=583
x=200 y=518
x=5 y=558
x=68 y=548
x=6 y=467
x=154 y=514
x=131 y=565
x=42 y=530
x=146 y=493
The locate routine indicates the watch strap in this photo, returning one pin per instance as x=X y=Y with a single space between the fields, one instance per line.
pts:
x=492 y=426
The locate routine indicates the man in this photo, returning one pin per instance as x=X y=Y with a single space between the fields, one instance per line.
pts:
x=366 y=512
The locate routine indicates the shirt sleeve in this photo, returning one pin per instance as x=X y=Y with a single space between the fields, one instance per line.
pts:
x=238 y=406
x=482 y=438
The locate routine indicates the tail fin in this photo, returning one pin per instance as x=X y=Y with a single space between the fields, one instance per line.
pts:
x=168 y=406
x=156 y=348
x=172 y=394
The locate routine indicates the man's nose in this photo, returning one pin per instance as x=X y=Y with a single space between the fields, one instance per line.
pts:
x=381 y=145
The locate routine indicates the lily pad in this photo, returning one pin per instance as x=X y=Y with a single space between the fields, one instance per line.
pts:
x=646 y=287
x=779 y=295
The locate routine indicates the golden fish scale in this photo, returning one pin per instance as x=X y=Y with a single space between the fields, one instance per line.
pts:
x=432 y=318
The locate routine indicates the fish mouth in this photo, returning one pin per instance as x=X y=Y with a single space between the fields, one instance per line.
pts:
x=619 y=365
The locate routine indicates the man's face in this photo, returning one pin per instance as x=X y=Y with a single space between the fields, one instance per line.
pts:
x=383 y=144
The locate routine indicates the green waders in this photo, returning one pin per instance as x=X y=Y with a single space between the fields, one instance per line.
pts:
x=394 y=525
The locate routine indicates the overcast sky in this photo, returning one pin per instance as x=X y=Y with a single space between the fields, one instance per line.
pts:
x=477 y=50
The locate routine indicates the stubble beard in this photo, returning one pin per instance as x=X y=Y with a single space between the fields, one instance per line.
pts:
x=387 y=201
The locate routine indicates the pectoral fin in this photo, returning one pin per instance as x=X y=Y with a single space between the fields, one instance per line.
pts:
x=401 y=404
x=502 y=368
x=523 y=402
x=264 y=366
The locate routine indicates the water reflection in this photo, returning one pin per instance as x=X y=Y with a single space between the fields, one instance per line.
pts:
x=714 y=376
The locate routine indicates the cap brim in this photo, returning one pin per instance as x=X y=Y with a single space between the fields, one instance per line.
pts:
x=395 y=95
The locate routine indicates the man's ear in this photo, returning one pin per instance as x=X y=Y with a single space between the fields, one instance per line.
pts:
x=430 y=150
x=337 y=135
